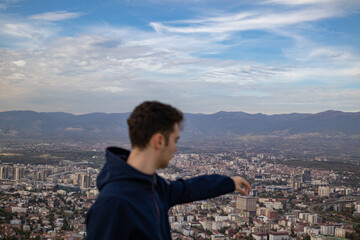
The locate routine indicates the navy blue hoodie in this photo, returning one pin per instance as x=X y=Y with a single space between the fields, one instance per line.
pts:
x=134 y=205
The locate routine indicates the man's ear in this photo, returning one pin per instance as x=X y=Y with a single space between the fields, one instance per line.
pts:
x=158 y=140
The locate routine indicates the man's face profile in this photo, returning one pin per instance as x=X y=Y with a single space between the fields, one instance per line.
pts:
x=170 y=148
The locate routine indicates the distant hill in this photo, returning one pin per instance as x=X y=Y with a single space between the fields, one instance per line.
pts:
x=240 y=123
x=29 y=124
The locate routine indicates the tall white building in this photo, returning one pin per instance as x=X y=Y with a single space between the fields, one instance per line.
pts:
x=39 y=175
x=84 y=180
x=304 y=216
x=324 y=191
x=279 y=236
x=357 y=208
x=246 y=203
x=327 y=230
x=306 y=176
x=190 y=218
x=311 y=231
x=348 y=191
x=4 y=172
x=171 y=219
x=216 y=225
x=19 y=173
x=312 y=218
x=294 y=183
x=340 y=232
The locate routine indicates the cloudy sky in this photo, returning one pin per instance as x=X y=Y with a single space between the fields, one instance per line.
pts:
x=202 y=56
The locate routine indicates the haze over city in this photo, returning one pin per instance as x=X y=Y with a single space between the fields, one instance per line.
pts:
x=269 y=56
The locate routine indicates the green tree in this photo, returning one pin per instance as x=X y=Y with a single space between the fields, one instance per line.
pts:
x=350 y=235
x=66 y=226
x=307 y=237
x=357 y=228
x=292 y=233
x=250 y=237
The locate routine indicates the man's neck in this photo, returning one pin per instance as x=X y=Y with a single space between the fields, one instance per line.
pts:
x=143 y=160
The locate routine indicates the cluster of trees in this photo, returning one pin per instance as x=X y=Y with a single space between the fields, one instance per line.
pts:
x=5 y=216
x=19 y=234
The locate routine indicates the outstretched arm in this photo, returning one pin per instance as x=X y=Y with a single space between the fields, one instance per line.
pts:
x=203 y=187
x=241 y=185
x=197 y=188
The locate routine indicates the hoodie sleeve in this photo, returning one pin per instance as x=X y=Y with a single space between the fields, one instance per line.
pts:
x=198 y=188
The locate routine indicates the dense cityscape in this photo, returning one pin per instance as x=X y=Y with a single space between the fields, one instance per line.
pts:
x=260 y=97
x=50 y=200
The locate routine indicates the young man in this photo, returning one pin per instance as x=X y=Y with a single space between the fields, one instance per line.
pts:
x=134 y=201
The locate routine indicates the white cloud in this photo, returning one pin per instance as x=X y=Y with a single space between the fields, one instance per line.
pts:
x=111 y=69
x=7 y=4
x=314 y=2
x=95 y=74
x=56 y=16
x=112 y=89
x=269 y=17
x=17 y=32
x=247 y=21
x=329 y=53
x=19 y=63
x=299 y=2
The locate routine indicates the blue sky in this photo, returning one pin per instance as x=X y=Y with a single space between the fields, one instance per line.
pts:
x=202 y=56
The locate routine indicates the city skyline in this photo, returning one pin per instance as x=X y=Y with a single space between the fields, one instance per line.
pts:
x=302 y=203
x=268 y=56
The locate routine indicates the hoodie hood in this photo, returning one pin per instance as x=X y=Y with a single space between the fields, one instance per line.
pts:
x=116 y=168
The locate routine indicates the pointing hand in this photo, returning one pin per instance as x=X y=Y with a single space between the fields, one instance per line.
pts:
x=241 y=185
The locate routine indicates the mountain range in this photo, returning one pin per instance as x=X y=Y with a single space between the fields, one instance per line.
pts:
x=42 y=125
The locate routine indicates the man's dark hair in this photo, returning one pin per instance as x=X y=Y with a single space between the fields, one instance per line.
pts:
x=152 y=117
